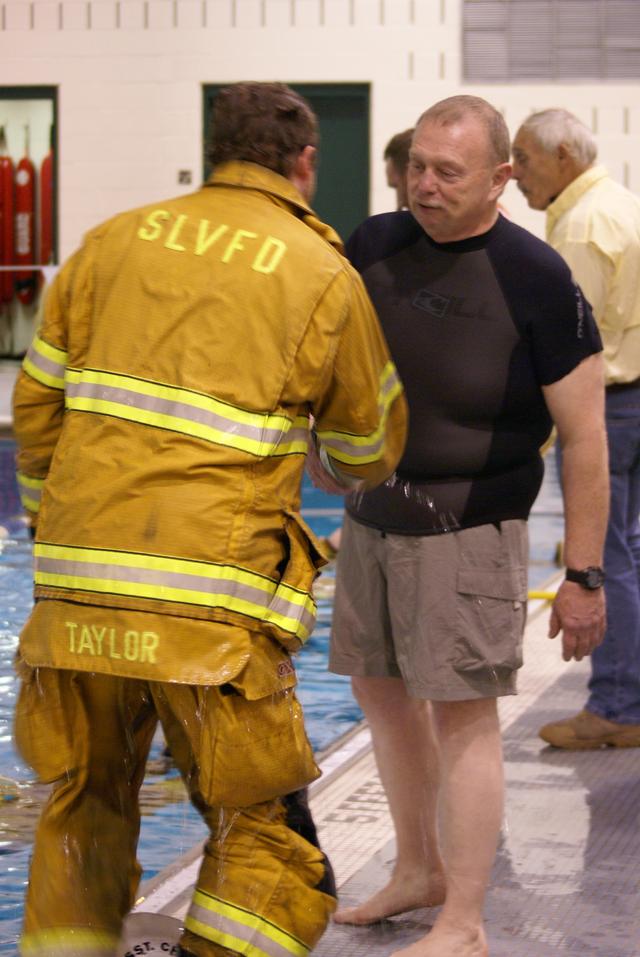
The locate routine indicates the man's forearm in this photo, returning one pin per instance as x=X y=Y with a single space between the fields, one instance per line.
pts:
x=585 y=486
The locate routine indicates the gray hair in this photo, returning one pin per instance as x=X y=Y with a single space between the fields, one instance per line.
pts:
x=557 y=127
x=457 y=108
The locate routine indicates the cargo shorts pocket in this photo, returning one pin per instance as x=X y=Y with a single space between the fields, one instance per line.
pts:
x=253 y=749
x=490 y=618
x=50 y=722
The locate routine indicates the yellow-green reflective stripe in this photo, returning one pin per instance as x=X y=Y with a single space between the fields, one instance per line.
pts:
x=68 y=942
x=206 y=584
x=30 y=490
x=362 y=449
x=45 y=363
x=181 y=410
x=240 y=929
x=219 y=937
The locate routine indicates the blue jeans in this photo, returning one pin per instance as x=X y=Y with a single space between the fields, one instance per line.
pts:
x=615 y=666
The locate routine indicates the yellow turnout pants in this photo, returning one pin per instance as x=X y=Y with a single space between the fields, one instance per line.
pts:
x=264 y=888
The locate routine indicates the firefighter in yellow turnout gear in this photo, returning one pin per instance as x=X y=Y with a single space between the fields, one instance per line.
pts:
x=163 y=419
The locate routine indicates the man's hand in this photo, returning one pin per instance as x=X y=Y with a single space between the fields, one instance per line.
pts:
x=580 y=615
x=319 y=475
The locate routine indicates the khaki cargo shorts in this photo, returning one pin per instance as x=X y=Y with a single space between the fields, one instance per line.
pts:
x=445 y=613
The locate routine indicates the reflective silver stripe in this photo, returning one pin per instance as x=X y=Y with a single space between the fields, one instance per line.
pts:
x=45 y=363
x=360 y=449
x=280 y=609
x=237 y=929
x=176 y=580
x=30 y=490
x=347 y=448
x=180 y=410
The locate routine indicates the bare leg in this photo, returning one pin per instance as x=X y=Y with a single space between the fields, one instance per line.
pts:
x=407 y=760
x=472 y=805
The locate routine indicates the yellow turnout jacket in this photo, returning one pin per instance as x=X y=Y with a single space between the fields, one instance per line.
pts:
x=162 y=419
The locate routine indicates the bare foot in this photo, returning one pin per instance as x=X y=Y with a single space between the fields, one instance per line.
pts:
x=403 y=892
x=448 y=941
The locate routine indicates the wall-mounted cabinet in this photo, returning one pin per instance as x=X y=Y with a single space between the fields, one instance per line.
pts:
x=28 y=208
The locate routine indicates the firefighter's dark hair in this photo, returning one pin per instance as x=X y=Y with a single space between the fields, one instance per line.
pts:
x=264 y=123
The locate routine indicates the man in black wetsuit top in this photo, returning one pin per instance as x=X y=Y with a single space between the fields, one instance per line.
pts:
x=494 y=343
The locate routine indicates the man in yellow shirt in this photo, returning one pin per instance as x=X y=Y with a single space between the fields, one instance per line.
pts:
x=594 y=223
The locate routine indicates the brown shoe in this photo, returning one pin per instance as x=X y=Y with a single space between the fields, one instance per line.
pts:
x=588 y=731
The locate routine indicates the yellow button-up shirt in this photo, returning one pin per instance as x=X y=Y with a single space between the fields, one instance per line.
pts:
x=595 y=226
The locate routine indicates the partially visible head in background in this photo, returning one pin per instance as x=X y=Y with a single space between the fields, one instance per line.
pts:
x=264 y=123
x=551 y=149
x=396 y=160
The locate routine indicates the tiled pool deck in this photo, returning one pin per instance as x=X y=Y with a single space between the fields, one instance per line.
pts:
x=566 y=878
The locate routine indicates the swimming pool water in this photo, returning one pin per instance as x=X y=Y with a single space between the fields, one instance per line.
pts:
x=169 y=824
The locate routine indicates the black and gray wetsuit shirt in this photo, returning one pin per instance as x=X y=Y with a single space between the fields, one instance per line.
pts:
x=475 y=328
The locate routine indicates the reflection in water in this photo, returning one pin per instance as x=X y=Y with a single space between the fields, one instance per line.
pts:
x=21 y=802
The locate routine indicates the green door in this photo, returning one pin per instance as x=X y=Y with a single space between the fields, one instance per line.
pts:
x=342 y=198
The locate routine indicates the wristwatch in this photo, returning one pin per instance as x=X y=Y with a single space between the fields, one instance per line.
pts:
x=591 y=577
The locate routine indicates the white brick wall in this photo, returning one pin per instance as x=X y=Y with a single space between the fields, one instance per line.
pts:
x=130 y=75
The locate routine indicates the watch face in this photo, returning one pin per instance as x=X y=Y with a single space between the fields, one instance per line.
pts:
x=594 y=578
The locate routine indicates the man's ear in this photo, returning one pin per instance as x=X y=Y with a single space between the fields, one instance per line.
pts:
x=305 y=164
x=501 y=176
x=568 y=166
x=566 y=158
x=303 y=173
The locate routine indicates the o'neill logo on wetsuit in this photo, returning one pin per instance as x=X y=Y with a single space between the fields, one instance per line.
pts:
x=579 y=312
x=450 y=307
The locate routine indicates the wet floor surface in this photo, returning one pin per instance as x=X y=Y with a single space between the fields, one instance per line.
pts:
x=566 y=880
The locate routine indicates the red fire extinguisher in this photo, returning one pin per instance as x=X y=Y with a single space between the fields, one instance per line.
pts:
x=6 y=220
x=45 y=252
x=25 y=247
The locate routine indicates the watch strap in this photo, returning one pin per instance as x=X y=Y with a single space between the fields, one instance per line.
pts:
x=591 y=577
